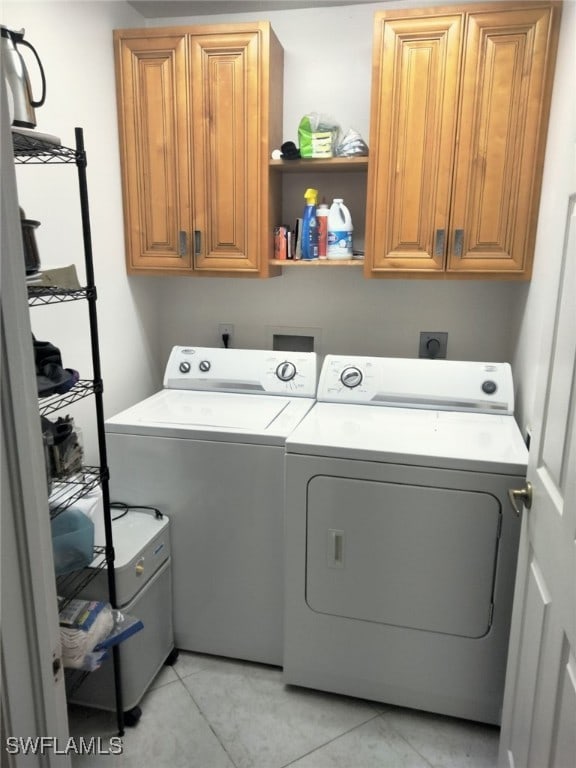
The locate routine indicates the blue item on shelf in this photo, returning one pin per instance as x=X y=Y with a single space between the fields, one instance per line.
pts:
x=72 y=541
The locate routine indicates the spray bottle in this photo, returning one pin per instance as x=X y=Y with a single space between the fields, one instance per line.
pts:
x=310 y=226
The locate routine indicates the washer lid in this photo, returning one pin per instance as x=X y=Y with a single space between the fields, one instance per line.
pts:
x=206 y=415
x=443 y=439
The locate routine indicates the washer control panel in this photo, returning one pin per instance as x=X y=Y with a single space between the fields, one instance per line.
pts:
x=451 y=385
x=247 y=371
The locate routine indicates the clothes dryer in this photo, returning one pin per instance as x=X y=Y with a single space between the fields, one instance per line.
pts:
x=400 y=542
x=209 y=451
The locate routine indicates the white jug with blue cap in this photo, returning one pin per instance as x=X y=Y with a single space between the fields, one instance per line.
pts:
x=340 y=230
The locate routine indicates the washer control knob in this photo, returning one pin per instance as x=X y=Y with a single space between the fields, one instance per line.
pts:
x=489 y=387
x=184 y=366
x=286 y=371
x=351 y=377
x=204 y=366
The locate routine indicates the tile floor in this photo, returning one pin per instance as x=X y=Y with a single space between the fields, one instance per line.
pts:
x=208 y=712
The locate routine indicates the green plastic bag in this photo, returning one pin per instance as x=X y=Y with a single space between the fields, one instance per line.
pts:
x=317 y=135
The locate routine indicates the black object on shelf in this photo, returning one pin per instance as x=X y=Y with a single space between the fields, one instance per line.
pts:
x=35 y=149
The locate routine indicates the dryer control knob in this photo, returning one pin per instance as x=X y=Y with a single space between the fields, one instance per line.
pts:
x=351 y=377
x=184 y=367
x=286 y=371
x=489 y=387
x=204 y=366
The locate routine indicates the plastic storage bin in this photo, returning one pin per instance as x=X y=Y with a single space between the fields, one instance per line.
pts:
x=72 y=541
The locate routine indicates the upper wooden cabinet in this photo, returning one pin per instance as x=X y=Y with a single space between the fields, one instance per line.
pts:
x=199 y=110
x=460 y=104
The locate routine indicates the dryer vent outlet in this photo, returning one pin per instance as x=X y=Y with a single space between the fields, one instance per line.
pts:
x=433 y=344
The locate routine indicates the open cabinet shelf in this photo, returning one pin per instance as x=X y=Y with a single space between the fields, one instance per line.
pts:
x=332 y=164
x=334 y=177
x=317 y=262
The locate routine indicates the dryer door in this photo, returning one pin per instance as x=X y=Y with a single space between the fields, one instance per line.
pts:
x=406 y=555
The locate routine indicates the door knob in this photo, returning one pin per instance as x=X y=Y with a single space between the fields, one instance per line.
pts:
x=519 y=496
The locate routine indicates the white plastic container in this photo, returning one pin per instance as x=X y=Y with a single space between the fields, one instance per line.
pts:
x=340 y=230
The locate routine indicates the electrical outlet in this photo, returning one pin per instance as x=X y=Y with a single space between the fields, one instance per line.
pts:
x=433 y=344
x=225 y=329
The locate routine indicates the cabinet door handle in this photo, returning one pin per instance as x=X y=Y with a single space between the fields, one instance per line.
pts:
x=197 y=242
x=458 y=241
x=439 y=242
x=182 y=243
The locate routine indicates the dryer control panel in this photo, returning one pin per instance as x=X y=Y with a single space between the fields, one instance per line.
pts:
x=245 y=371
x=451 y=385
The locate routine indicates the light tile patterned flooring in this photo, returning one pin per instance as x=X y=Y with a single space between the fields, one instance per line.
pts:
x=208 y=712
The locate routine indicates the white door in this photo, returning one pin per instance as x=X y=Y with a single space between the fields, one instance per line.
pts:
x=539 y=718
x=32 y=695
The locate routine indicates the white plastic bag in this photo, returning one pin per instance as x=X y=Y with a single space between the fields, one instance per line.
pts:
x=352 y=145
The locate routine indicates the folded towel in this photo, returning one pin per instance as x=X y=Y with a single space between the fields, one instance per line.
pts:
x=83 y=625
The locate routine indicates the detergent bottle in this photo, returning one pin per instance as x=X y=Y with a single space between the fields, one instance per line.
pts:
x=310 y=226
x=339 y=231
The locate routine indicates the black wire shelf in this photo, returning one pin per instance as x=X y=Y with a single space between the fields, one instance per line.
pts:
x=49 y=294
x=70 y=585
x=31 y=149
x=69 y=490
x=83 y=388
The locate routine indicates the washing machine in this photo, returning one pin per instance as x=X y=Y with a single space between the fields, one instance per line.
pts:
x=401 y=544
x=208 y=450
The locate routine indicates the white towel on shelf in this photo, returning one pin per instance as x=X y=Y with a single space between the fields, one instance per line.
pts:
x=83 y=624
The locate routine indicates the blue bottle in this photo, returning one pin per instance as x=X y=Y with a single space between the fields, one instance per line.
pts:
x=310 y=226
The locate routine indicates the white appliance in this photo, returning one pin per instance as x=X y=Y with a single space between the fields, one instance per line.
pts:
x=143 y=590
x=209 y=451
x=400 y=543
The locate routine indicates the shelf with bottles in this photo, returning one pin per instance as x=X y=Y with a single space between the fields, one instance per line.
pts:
x=317 y=262
x=311 y=165
x=349 y=186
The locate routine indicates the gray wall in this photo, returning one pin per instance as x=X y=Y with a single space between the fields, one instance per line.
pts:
x=327 y=69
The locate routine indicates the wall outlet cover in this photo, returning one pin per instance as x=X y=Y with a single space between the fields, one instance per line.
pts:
x=433 y=344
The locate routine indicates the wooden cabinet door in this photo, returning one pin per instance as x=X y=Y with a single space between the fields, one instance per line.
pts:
x=413 y=127
x=152 y=77
x=226 y=148
x=503 y=118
